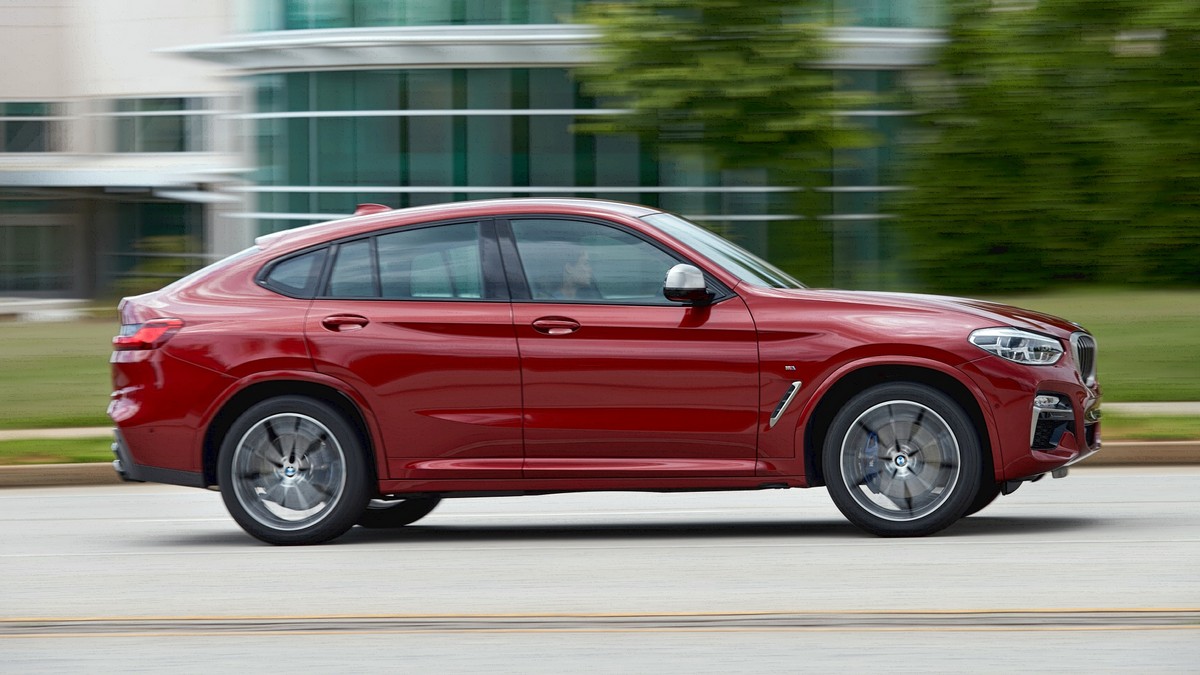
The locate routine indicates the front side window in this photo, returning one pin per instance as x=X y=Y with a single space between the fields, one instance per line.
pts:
x=582 y=261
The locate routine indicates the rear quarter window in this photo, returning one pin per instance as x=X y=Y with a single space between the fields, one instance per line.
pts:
x=297 y=276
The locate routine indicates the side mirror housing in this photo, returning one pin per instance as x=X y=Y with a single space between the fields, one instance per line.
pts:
x=685 y=283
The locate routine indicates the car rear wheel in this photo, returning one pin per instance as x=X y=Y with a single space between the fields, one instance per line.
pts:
x=382 y=514
x=292 y=471
x=902 y=459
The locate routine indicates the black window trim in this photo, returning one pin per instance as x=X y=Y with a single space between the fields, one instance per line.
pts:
x=519 y=285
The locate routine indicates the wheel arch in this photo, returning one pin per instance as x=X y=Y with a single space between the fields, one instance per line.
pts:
x=837 y=394
x=259 y=391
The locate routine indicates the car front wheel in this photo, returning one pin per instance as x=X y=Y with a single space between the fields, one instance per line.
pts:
x=902 y=459
x=292 y=471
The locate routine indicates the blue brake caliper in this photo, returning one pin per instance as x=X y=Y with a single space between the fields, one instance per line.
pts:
x=871 y=471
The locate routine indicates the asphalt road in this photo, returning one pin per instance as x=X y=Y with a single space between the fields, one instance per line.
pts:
x=1097 y=572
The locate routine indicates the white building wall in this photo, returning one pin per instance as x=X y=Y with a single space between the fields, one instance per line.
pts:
x=114 y=46
x=32 y=58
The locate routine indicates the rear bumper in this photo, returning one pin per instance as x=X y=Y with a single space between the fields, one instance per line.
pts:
x=133 y=472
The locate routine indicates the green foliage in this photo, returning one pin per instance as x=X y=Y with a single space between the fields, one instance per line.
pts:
x=165 y=259
x=733 y=82
x=1062 y=144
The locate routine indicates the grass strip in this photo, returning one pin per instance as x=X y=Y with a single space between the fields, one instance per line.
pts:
x=77 y=450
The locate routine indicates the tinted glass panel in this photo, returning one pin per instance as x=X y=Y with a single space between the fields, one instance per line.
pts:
x=354 y=271
x=576 y=261
x=431 y=263
x=735 y=259
x=299 y=275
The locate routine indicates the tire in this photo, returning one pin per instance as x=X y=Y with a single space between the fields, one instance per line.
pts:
x=388 y=514
x=293 y=471
x=902 y=460
x=988 y=492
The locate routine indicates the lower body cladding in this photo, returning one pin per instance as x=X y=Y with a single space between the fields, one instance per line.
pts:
x=129 y=470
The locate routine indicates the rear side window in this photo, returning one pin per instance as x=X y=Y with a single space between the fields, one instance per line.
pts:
x=353 y=273
x=442 y=262
x=297 y=276
x=431 y=263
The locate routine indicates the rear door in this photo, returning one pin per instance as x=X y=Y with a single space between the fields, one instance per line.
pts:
x=418 y=321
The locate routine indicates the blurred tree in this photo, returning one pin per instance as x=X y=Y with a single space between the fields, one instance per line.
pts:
x=1061 y=144
x=163 y=259
x=732 y=81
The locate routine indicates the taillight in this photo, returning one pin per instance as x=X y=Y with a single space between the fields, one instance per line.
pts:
x=150 y=335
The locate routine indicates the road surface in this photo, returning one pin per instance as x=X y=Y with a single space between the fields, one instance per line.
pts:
x=1097 y=572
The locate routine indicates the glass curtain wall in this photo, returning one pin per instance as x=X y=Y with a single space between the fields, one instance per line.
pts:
x=27 y=126
x=266 y=15
x=37 y=252
x=330 y=140
x=887 y=13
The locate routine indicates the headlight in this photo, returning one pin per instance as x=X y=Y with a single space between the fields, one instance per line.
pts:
x=1018 y=346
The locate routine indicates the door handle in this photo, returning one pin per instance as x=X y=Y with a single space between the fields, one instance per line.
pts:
x=340 y=323
x=553 y=325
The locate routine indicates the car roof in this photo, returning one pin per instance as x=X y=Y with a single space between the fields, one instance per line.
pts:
x=320 y=232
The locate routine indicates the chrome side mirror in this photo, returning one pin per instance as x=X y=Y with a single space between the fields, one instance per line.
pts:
x=685 y=283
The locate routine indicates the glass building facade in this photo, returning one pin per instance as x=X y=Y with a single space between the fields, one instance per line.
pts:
x=331 y=135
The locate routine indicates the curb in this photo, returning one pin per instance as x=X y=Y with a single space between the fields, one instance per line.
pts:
x=1114 y=453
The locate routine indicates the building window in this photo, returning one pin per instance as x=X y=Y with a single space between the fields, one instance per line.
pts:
x=260 y=15
x=36 y=247
x=161 y=124
x=27 y=127
x=887 y=13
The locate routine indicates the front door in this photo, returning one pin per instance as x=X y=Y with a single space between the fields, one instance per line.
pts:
x=617 y=380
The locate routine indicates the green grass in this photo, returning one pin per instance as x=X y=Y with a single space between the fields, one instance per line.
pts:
x=76 y=450
x=56 y=451
x=57 y=374
x=1150 y=428
x=1148 y=341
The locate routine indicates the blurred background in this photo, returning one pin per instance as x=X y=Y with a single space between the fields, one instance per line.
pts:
x=966 y=145
x=983 y=147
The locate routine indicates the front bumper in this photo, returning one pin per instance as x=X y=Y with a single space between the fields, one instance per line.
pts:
x=1031 y=435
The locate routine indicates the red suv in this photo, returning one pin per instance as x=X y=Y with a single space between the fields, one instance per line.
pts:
x=359 y=371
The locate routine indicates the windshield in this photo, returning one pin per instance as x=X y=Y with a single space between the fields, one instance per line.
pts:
x=733 y=258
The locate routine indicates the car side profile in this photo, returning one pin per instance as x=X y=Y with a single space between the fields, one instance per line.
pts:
x=360 y=371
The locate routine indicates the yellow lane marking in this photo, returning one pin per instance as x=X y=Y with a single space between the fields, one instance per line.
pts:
x=618 y=615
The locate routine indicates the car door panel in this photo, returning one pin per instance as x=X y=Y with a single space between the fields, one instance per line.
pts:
x=618 y=382
x=432 y=348
x=639 y=391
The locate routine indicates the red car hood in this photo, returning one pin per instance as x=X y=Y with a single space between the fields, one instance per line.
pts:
x=992 y=313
